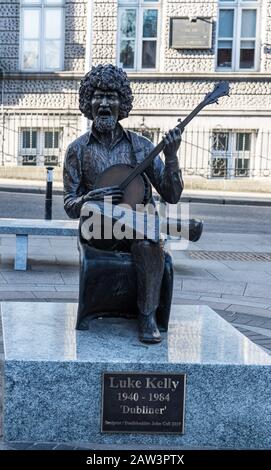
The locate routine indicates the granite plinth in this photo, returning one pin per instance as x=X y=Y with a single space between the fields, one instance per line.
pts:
x=53 y=373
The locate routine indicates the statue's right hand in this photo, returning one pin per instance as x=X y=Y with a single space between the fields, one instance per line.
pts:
x=100 y=194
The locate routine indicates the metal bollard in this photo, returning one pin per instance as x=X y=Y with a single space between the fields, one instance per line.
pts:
x=49 y=193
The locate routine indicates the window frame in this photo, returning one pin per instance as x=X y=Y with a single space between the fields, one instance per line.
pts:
x=232 y=155
x=42 y=6
x=31 y=149
x=40 y=152
x=238 y=6
x=29 y=152
x=140 y=6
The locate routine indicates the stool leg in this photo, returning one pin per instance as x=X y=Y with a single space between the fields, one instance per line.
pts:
x=21 y=252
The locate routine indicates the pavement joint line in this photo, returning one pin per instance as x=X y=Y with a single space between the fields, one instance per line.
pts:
x=255 y=337
x=253 y=318
x=214 y=276
x=244 y=293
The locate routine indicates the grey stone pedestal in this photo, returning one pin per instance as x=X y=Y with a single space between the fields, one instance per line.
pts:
x=53 y=375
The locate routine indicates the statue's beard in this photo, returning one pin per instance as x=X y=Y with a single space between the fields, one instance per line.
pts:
x=105 y=124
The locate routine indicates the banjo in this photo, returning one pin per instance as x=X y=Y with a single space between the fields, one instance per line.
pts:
x=129 y=178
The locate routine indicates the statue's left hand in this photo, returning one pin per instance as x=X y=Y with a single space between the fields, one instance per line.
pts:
x=172 y=142
x=102 y=194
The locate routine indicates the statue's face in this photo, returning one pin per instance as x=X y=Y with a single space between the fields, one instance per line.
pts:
x=105 y=109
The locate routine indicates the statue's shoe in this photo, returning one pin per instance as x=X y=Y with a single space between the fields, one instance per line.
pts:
x=195 y=229
x=148 y=331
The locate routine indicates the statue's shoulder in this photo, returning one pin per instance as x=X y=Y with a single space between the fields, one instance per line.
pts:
x=78 y=143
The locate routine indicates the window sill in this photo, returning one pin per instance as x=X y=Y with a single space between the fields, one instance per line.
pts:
x=243 y=71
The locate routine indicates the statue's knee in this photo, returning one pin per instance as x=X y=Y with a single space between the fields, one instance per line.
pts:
x=148 y=244
x=141 y=244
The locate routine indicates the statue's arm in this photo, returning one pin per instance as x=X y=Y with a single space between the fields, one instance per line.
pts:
x=166 y=178
x=72 y=179
x=72 y=174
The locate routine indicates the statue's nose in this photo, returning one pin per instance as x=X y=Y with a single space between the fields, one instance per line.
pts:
x=104 y=101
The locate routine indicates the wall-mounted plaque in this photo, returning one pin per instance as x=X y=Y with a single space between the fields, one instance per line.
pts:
x=187 y=33
x=145 y=403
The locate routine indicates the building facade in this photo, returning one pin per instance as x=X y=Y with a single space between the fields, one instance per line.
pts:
x=173 y=51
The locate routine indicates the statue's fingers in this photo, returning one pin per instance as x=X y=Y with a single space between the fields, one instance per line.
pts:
x=110 y=198
x=111 y=192
x=177 y=136
x=177 y=132
x=117 y=193
x=171 y=136
x=116 y=199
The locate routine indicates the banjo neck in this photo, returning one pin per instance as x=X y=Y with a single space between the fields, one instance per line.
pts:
x=221 y=89
x=158 y=149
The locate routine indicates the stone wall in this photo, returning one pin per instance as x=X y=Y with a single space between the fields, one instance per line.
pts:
x=247 y=92
x=178 y=94
x=187 y=60
x=184 y=76
x=165 y=94
x=104 y=35
x=41 y=94
x=9 y=34
x=75 y=35
x=104 y=31
x=266 y=40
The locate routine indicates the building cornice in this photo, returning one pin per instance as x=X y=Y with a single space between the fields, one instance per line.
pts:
x=234 y=76
x=200 y=76
x=41 y=76
x=208 y=112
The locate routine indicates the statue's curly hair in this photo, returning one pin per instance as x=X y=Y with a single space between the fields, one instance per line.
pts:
x=105 y=77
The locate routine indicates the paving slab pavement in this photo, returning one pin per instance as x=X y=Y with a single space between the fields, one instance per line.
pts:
x=238 y=290
x=233 y=285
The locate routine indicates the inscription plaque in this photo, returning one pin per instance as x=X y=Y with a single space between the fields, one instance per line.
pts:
x=146 y=402
x=187 y=34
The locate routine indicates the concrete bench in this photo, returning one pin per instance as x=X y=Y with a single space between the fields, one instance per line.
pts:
x=65 y=228
x=24 y=227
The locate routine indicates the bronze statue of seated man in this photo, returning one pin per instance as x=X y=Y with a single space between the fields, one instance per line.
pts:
x=105 y=97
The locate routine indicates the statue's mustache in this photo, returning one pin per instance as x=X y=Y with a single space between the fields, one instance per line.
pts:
x=105 y=123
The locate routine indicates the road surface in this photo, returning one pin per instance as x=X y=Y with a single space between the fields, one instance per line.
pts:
x=217 y=217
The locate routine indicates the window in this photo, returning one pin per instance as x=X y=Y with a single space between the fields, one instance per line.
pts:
x=42 y=35
x=51 y=148
x=238 y=35
x=29 y=147
x=231 y=153
x=29 y=140
x=138 y=33
x=39 y=147
x=51 y=139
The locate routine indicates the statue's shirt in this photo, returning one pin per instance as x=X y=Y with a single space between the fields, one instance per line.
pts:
x=87 y=157
x=96 y=157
